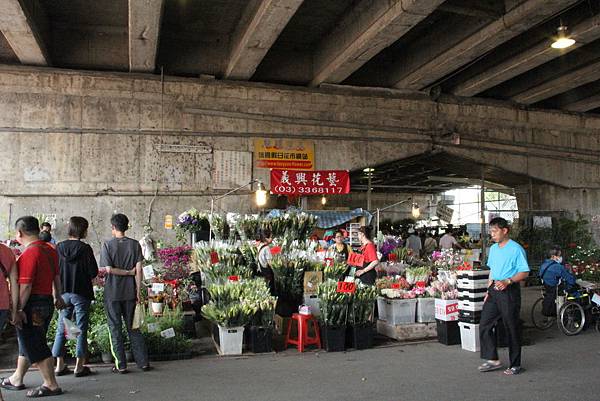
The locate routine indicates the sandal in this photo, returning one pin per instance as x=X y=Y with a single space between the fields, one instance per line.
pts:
x=515 y=370
x=121 y=371
x=43 y=391
x=84 y=372
x=7 y=385
x=489 y=366
x=147 y=368
x=64 y=372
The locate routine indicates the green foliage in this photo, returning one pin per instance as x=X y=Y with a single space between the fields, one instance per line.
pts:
x=235 y=304
x=363 y=303
x=334 y=305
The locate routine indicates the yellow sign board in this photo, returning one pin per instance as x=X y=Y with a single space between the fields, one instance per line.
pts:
x=169 y=222
x=292 y=154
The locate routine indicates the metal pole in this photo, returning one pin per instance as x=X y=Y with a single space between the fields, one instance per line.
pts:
x=483 y=233
x=377 y=221
x=212 y=209
x=369 y=192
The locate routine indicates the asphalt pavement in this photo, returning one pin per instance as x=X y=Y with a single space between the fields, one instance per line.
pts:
x=557 y=368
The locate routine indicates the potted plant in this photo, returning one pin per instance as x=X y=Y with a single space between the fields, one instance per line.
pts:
x=334 y=315
x=157 y=304
x=362 y=316
x=101 y=339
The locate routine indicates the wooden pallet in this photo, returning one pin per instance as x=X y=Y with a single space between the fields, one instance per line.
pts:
x=403 y=332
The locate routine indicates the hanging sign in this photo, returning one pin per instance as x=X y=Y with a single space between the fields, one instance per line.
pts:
x=444 y=212
x=214 y=258
x=293 y=182
x=356 y=259
x=284 y=153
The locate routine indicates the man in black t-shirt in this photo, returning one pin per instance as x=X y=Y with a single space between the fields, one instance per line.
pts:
x=122 y=258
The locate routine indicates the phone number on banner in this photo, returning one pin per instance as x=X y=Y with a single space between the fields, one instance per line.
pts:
x=307 y=190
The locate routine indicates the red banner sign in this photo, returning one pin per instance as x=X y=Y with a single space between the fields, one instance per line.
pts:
x=346 y=287
x=214 y=258
x=234 y=278
x=302 y=183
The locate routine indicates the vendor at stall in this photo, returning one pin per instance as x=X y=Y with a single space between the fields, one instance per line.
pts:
x=264 y=239
x=340 y=249
x=367 y=274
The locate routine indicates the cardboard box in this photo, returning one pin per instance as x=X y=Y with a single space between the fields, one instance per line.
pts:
x=446 y=309
x=311 y=281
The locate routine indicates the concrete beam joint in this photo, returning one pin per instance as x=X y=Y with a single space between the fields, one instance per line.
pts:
x=262 y=23
x=20 y=32
x=144 y=27
x=426 y=70
x=367 y=29
x=585 y=32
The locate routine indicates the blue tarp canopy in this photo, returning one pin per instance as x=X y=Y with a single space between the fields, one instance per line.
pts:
x=330 y=218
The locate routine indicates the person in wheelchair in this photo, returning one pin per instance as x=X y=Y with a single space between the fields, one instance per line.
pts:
x=552 y=273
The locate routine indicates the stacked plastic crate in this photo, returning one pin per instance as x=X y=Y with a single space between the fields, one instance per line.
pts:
x=472 y=287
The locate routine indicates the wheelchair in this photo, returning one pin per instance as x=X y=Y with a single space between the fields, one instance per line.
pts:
x=577 y=311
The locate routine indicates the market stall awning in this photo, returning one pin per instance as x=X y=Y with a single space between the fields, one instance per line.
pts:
x=334 y=218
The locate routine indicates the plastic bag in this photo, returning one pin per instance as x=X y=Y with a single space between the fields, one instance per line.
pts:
x=138 y=317
x=71 y=329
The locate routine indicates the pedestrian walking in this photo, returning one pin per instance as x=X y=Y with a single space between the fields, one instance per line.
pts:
x=78 y=268
x=121 y=258
x=38 y=280
x=9 y=287
x=508 y=267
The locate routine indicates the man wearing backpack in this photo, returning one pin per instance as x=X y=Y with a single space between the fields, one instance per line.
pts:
x=38 y=280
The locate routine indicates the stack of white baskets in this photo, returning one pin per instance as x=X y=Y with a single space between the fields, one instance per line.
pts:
x=472 y=287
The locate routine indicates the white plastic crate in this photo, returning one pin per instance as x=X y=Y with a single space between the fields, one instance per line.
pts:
x=473 y=297
x=469 y=336
x=469 y=305
x=401 y=311
x=465 y=283
x=425 y=310
x=473 y=274
x=383 y=311
x=230 y=340
x=312 y=300
x=446 y=309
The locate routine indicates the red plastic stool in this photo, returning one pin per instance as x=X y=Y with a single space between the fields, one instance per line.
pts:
x=303 y=339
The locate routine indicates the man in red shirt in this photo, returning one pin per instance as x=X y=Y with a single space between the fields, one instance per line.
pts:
x=38 y=280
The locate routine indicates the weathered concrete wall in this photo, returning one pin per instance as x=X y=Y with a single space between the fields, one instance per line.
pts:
x=77 y=142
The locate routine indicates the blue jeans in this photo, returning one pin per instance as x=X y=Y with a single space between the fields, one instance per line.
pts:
x=81 y=306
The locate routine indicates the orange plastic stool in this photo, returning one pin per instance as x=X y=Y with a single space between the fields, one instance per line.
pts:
x=303 y=339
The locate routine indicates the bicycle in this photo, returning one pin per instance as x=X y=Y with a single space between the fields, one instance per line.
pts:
x=575 y=312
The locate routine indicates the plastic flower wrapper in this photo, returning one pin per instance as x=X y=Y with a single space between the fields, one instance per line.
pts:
x=388 y=245
x=333 y=305
x=220 y=227
x=418 y=274
x=363 y=302
x=191 y=221
x=289 y=275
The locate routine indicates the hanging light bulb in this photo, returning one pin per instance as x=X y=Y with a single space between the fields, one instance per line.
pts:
x=323 y=200
x=562 y=38
x=416 y=212
x=261 y=195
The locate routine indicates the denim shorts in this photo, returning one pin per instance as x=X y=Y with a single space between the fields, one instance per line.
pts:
x=32 y=334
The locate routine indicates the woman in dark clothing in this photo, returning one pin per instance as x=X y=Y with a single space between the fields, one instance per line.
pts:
x=78 y=268
x=367 y=274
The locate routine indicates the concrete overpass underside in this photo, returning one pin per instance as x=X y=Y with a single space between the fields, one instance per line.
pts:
x=88 y=126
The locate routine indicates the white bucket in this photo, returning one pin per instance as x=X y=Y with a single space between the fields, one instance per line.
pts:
x=231 y=339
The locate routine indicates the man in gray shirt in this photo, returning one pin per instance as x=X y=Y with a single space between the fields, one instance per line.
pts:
x=414 y=242
x=122 y=258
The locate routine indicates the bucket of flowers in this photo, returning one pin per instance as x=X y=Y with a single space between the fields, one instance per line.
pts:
x=191 y=222
x=334 y=315
x=362 y=315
